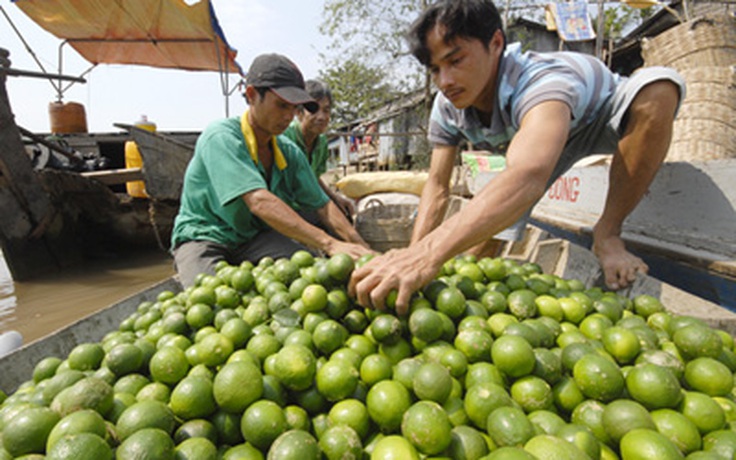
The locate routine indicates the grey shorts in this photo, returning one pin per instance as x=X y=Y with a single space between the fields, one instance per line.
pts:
x=200 y=256
x=603 y=135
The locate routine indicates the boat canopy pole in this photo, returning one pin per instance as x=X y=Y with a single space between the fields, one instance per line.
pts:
x=33 y=55
x=223 y=72
x=59 y=89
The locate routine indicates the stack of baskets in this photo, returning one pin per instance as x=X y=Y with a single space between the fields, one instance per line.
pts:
x=386 y=226
x=703 y=51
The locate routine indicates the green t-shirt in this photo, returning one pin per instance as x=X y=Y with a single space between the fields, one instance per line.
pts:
x=318 y=156
x=221 y=171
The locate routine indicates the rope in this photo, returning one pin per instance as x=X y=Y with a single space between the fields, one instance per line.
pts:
x=154 y=226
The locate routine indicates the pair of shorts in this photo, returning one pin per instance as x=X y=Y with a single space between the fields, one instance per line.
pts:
x=193 y=258
x=602 y=135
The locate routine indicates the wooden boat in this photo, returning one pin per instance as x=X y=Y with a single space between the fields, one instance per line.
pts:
x=19 y=364
x=59 y=217
x=683 y=228
x=569 y=261
x=165 y=160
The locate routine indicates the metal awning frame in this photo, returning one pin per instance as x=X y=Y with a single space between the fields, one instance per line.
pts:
x=224 y=67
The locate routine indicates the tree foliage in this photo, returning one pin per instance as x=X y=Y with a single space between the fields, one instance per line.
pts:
x=368 y=60
x=357 y=89
x=360 y=28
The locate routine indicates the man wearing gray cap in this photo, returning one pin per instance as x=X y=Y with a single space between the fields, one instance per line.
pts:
x=244 y=182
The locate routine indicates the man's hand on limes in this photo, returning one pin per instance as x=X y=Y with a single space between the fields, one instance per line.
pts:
x=405 y=270
x=354 y=250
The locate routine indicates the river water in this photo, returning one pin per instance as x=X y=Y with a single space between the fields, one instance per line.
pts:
x=40 y=307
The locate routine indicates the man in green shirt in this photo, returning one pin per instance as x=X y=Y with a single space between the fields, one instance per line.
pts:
x=243 y=184
x=307 y=131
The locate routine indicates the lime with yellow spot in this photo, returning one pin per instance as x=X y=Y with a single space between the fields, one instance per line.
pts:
x=532 y=393
x=386 y=402
x=295 y=366
x=432 y=382
x=709 y=376
x=598 y=377
x=237 y=385
x=648 y=444
x=475 y=344
x=193 y=398
x=513 y=356
x=483 y=398
x=623 y=415
x=509 y=426
x=427 y=426
x=341 y=442
x=336 y=380
x=314 y=298
x=375 y=368
x=263 y=422
x=678 y=429
x=352 y=413
x=393 y=447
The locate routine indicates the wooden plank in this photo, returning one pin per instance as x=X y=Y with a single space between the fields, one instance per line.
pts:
x=18 y=365
x=115 y=176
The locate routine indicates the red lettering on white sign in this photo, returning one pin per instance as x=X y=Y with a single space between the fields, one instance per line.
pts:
x=565 y=189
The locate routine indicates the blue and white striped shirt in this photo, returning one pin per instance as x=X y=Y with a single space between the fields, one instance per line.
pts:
x=581 y=81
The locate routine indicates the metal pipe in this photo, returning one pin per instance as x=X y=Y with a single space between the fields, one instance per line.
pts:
x=29 y=73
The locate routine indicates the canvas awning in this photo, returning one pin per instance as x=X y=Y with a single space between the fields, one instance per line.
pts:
x=175 y=34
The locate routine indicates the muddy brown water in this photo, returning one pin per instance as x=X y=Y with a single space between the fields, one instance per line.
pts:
x=40 y=307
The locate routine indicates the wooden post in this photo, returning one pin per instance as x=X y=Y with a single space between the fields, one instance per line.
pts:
x=599 y=31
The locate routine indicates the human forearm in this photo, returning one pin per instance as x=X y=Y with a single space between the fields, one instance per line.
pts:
x=432 y=208
x=279 y=216
x=333 y=217
x=436 y=192
x=531 y=157
x=326 y=188
x=501 y=203
x=345 y=205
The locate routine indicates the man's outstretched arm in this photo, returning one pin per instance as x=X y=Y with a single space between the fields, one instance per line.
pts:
x=279 y=216
x=531 y=158
x=436 y=192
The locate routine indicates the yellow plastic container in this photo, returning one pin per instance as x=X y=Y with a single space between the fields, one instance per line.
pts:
x=137 y=189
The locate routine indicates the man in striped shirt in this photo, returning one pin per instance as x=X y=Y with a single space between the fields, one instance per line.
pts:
x=543 y=111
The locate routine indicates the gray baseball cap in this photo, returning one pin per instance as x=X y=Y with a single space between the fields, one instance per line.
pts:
x=283 y=77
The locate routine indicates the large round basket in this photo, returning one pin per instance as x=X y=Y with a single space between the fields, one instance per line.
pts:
x=386 y=226
x=703 y=51
x=701 y=42
x=705 y=128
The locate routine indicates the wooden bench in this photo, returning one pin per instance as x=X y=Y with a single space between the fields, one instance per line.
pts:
x=115 y=176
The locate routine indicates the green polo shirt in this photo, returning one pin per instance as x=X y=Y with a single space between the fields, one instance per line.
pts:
x=221 y=171
x=318 y=156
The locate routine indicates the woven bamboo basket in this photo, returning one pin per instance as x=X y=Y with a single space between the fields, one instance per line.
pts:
x=386 y=226
x=703 y=51
x=701 y=140
x=707 y=41
x=705 y=128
